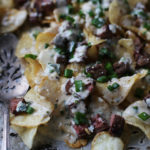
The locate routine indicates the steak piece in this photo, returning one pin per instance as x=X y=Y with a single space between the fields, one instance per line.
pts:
x=44 y=6
x=13 y=105
x=142 y=60
x=99 y=124
x=116 y=125
x=96 y=70
x=105 y=32
x=121 y=68
x=80 y=130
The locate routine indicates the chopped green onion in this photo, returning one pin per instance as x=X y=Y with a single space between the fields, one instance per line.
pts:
x=81 y=1
x=139 y=93
x=59 y=51
x=147 y=26
x=109 y=67
x=102 y=79
x=79 y=85
x=30 y=110
x=91 y=13
x=113 y=86
x=62 y=16
x=68 y=73
x=144 y=116
x=89 y=44
x=98 y=22
x=46 y=45
x=113 y=75
x=32 y=56
x=70 y=19
x=70 y=9
x=81 y=14
x=87 y=74
x=135 y=108
x=80 y=118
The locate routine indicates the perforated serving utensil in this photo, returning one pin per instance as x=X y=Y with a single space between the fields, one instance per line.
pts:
x=12 y=82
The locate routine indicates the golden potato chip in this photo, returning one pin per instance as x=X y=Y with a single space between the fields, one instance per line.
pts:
x=33 y=72
x=104 y=141
x=76 y=68
x=41 y=115
x=42 y=39
x=136 y=114
x=48 y=87
x=92 y=39
x=118 y=95
x=26 y=134
x=7 y=3
x=116 y=11
x=12 y=20
x=79 y=143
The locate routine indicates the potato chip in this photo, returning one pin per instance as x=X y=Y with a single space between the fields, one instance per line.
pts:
x=104 y=141
x=47 y=88
x=132 y=116
x=7 y=3
x=43 y=108
x=33 y=72
x=12 y=20
x=25 y=45
x=26 y=134
x=42 y=39
x=92 y=39
x=118 y=95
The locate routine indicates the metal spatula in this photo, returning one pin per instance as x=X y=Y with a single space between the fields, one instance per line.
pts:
x=12 y=82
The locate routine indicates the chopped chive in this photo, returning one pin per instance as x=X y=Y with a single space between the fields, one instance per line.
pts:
x=91 y=13
x=87 y=74
x=70 y=9
x=30 y=110
x=32 y=56
x=80 y=118
x=109 y=67
x=102 y=79
x=81 y=14
x=59 y=51
x=46 y=45
x=68 y=73
x=79 y=86
x=89 y=44
x=113 y=86
x=135 y=108
x=70 y=19
x=98 y=22
x=147 y=26
x=113 y=75
x=144 y=116
x=81 y=1
x=62 y=16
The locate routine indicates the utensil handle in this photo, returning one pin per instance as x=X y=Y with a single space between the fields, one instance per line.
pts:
x=5 y=140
